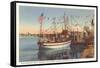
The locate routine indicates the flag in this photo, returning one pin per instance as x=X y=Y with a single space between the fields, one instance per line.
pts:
x=41 y=18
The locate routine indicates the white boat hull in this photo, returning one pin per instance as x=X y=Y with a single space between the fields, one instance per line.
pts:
x=56 y=45
x=52 y=49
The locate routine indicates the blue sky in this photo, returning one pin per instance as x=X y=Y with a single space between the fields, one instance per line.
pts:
x=28 y=17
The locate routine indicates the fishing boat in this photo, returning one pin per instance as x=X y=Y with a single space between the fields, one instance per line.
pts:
x=55 y=40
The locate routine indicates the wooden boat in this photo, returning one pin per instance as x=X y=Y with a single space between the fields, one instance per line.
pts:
x=54 y=43
x=57 y=43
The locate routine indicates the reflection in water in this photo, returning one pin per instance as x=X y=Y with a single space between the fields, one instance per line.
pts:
x=52 y=54
x=29 y=51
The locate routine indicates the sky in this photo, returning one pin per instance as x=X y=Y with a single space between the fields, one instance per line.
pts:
x=29 y=15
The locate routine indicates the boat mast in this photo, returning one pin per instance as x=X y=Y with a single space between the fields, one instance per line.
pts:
x=55 y=29
x=41 y=23
x=92 y=23
x=41 y=30
x=65 y=21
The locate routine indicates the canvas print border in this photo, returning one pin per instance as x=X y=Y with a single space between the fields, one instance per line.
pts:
x=15 y=36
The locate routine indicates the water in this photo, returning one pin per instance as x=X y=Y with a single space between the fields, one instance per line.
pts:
x=29 y=51
x=28 y=48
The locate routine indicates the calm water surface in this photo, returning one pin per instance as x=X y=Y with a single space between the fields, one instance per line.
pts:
x=29 y=50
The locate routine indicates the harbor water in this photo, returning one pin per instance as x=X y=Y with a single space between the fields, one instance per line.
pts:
x=29 y=51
